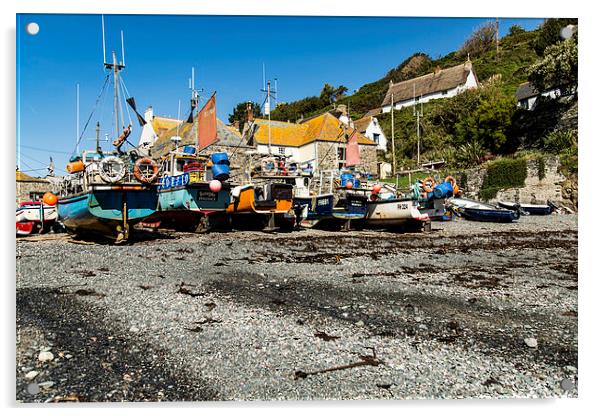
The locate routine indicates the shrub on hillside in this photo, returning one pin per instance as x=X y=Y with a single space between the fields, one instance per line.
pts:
x=503 y=174
x=559 y=140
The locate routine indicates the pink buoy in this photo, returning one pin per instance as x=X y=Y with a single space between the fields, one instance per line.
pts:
x=377 y=187
x=348 y=185
x=215 y=186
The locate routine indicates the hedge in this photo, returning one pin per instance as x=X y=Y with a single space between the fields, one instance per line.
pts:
x=503 y=174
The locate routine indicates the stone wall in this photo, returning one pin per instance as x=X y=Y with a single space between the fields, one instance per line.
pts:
x=554 y=186
x=26 y=188
x=328 y=157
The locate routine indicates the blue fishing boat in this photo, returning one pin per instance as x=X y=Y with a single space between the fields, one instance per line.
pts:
x=193 y=193
x=105 y=195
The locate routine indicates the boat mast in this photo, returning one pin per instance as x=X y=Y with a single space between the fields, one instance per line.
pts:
x=116 y=93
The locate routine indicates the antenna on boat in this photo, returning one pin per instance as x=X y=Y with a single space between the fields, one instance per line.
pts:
x=104 y=49
x=77 y=117
x=122 y=50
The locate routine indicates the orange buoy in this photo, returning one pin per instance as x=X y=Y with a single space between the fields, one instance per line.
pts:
x=452 y=180
x=49 y=198
x=74 y=167
x=428 y=184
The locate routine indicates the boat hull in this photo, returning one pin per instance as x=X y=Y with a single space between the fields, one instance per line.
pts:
x=489 y=215
x=530 y=209
x=100 y=211
x=394 y=213
x=32 y=213
x=246 y=212
x=185 y=207
x=313 y=210
x=480 y=211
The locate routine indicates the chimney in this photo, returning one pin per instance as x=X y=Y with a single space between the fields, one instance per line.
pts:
x=249 y=112
x=148 y=114
x=437 y=70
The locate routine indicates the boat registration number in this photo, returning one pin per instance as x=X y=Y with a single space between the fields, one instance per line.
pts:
x=206 y=196
x=402 y=206
x=175 y=181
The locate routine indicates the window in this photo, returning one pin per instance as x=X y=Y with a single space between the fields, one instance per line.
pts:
x=375 y=137
x=36 y=196
x=281 y=150
x=444 y=92
x=341 y=153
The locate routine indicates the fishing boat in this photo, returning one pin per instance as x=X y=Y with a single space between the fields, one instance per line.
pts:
x=529 y=209
x=265 y=206
x=385 y=209
x=35 y=216
x=106 y=193
x=400 y=213
x=192 y=190
x=480 y=211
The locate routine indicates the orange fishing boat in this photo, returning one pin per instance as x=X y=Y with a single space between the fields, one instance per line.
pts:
x=266 y=206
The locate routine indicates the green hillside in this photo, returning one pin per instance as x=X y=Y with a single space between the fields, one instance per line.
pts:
x=515 y=56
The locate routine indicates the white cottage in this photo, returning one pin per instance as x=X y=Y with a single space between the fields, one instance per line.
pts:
x=442 y=83
x=527 y=95
x=369 y=127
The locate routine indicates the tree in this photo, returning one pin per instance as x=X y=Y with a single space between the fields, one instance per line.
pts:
x=490 y=122
x=557 y=68
x=330 y=94
x=239 y=113
x=549 y=34
x=516 y=30
x=481 y=40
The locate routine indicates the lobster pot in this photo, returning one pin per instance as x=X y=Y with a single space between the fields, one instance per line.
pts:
x=220 y=172
x=347 y=177
x=443 y=190
x=220 y=158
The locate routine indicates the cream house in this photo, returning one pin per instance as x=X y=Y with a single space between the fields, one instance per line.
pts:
x=441 y=83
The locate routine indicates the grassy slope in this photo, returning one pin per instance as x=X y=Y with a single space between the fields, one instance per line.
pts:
x=516 y=55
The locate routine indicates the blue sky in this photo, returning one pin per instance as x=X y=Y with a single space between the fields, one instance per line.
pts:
x=227 y=52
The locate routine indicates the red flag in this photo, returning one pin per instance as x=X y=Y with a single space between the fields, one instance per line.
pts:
x=352 y=151
x=207 y=125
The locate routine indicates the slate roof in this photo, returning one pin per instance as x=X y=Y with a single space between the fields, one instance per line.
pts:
x=525 y=90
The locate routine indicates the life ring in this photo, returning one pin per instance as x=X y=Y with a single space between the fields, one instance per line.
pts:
x=143 y=175
x=111 y=169
x=451 y=179
x=428 y=184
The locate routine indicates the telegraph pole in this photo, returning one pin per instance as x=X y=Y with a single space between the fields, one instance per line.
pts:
x=418 y=114
x=393 y=132
x=497 y=38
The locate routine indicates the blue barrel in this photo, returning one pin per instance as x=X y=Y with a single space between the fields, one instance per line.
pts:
x=443 y=190
x=189 y=150
x=356 y=183
x=220 y=158
x=346 y=177
x=220 y=172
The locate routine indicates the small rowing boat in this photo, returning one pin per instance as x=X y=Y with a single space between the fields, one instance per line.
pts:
x=529 y=209
x=480 y=211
